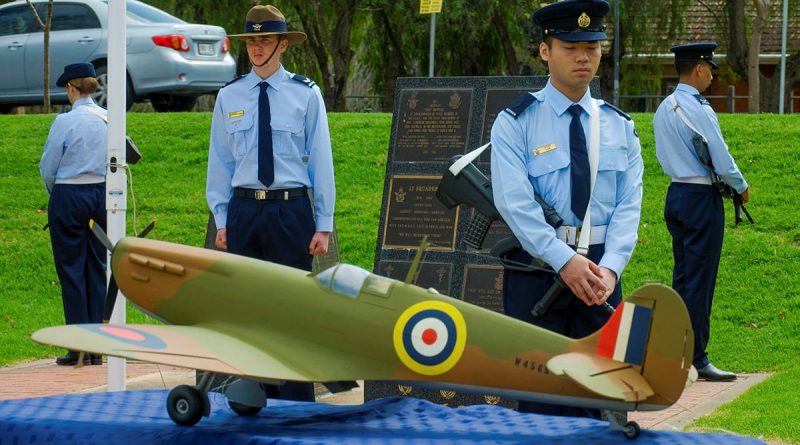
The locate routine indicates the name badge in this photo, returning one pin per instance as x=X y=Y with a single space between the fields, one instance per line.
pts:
x=233 y=114
x=544 y=149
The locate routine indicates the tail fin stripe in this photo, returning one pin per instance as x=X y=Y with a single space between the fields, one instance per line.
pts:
x=621 y=347
x=608 y=336
x=637 y=337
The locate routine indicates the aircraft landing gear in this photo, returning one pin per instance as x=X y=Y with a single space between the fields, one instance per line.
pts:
x=631 y=430
x=186 y=405
x=244 y=410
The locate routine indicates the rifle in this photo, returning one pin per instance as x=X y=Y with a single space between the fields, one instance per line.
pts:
x=700 y=146
x=464 y=184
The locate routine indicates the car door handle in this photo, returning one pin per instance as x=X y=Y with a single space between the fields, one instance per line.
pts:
x=86 y=39
x=14 y=45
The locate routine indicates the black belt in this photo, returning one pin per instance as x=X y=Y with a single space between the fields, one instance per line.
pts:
x=261 y=195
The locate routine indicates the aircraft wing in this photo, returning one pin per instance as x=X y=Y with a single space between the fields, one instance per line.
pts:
x=603 y=376
x=195 y=347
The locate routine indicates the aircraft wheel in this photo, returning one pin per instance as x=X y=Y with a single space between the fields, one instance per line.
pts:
x=185 y=405
x=632 y=430
x=244 y=410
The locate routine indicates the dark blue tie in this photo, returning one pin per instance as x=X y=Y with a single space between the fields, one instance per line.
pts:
x=579 y=163
x=266 y=170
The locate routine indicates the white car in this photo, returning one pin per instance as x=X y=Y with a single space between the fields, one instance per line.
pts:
x=170 y=62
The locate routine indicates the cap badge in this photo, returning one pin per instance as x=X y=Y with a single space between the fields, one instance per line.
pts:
x=256 y=26
x=584 y=20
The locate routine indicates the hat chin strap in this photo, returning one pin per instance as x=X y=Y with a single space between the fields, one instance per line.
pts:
x=280 y=38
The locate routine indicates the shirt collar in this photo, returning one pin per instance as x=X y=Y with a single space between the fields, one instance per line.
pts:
x=82 y=101
x=560 y=102
x=275 y=80
x=687 y=88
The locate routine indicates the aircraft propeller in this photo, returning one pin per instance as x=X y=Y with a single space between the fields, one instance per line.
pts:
x=113 y=289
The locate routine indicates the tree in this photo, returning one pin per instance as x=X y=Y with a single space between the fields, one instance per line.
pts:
x=45 y=25
x=753 y=60
x=744 y=61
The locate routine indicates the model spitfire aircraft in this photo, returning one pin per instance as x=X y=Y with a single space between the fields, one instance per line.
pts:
x=234 y=315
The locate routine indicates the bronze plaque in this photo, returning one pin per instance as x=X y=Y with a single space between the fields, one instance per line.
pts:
x=496 y=101
x=483 y=286
x=435 y=275
x=432 y=125
x=412 y=211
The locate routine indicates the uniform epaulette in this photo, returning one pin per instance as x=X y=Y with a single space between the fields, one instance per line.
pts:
x=234 y=80
x=702 y=100
x=303 y=79
x=520 y=104
x=620 y=112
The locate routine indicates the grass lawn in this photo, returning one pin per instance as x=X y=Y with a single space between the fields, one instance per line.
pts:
x=756 y=317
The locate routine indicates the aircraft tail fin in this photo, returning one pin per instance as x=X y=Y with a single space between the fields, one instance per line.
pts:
x=649 y=334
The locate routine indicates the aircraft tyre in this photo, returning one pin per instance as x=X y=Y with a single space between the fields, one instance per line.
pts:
x=632 y=430
x=186 y=405
x=244 y=410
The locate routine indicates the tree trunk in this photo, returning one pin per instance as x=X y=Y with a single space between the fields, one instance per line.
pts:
x=45 y=25
x=737 y=54
x=500 y=25
x=753 y=72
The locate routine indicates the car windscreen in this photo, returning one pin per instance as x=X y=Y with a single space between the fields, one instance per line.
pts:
x=146 y=13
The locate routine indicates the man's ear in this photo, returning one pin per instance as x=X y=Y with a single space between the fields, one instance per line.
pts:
x=544 y=52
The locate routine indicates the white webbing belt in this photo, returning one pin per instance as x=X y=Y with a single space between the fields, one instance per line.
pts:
x=571 y=234
x=594 y=156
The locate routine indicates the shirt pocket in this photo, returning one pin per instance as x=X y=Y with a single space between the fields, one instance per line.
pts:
x=237 y=129
x=288 y=135
x=613 y=161
x=546 y=171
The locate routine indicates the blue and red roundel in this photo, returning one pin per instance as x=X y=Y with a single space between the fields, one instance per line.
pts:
x=128 y=335
x=429 y=337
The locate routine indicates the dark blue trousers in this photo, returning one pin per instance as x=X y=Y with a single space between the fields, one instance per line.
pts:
x=695 y=218
x=80 y=258
x=568 y=315
x=280 y=232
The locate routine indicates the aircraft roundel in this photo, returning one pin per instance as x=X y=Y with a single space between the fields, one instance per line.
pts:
x=429 y=337
x=128 y=335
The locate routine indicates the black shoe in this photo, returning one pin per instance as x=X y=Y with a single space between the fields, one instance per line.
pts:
x=714 y=374
x=95 y=359
x=71 y=359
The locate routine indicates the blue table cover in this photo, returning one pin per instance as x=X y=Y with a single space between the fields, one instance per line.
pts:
x=140 y=417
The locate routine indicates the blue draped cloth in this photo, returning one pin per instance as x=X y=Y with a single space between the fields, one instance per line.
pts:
x=140 y=417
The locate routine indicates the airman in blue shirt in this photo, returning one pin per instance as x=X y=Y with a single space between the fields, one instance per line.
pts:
x=269 y=144
x=693 y=210
x=73 y=169
x=532 y=152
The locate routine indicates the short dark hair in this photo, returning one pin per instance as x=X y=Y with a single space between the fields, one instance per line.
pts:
x=685 y=66
x=84 y=85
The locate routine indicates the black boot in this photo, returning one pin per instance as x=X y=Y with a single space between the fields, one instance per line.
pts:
x=71 y=359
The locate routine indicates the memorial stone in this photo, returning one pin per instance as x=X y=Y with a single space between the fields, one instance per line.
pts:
x=435 y=119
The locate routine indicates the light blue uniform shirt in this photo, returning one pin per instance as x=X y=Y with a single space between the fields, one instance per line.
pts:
x=674 y=148
x=532 y=151
x=299 y=129
x=76 y=146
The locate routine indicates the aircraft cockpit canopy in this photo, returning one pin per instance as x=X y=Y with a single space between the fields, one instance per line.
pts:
x=345 y=279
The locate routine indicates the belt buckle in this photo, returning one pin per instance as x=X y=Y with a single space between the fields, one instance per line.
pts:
x=260 y=195
x=286 y=195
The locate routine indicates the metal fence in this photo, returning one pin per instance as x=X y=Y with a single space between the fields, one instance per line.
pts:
x=649 y=103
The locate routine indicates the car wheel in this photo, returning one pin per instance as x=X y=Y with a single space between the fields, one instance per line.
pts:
x=101 y=95
x=169 y=102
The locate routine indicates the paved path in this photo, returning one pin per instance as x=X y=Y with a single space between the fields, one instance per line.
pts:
x=43 y=378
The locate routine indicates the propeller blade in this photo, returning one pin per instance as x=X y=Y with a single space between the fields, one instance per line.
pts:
x=113 y=289
x=101 y=235
x=147 y=229
x=111 y=299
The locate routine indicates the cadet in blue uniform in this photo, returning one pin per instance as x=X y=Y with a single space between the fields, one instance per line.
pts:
x=539 y=144
x=693 y=211
x=269 y=144
x=73 y=169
